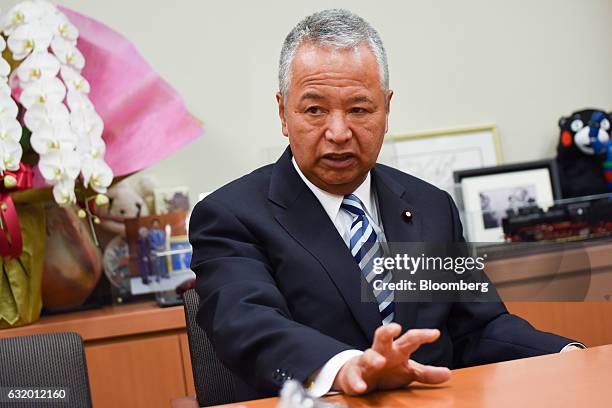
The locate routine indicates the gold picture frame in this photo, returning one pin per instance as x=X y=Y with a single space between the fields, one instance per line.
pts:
x=433 y=155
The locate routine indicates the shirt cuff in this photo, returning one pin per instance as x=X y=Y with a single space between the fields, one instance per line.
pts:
x=575 y=344
x=323 y=379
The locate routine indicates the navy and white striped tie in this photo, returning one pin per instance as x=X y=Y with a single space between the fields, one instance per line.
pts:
x=364 y=247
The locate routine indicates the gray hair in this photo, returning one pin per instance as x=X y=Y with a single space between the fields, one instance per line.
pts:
x=333 y=28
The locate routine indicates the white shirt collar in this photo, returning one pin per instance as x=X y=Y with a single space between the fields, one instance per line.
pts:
x=331 y=202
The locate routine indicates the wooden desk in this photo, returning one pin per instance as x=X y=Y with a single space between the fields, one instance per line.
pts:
x=575 y=379
x=137 y=354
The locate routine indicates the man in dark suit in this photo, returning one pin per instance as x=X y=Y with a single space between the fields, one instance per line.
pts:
x=279 y=254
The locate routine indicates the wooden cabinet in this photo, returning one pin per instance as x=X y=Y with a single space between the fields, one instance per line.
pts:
x=587 y=322
x=582 y=273
x=137 y=355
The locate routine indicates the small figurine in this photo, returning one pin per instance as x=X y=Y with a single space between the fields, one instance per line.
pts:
x=143 y=254
x=157 y=244
x=584 y=153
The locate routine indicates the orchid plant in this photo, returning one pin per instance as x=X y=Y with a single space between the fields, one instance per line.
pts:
x=66 y=130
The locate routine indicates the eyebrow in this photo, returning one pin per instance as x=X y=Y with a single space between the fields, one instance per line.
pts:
x=317 y=97
x=311 y=95
x=360 y=98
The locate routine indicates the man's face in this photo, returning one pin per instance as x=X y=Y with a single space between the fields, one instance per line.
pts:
x=335 y=114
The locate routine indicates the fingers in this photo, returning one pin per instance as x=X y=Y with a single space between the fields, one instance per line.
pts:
x=372 y=361
x=350 y=379
x=359 y=374
x=429 y=374
x=410 y=341
x=355 y=383
x=383 y=337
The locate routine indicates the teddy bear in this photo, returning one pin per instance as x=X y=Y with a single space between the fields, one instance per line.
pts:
x=126 y=199
x=584 y=153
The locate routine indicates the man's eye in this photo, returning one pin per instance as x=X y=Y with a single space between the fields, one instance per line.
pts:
x=358 y=110
x=314 y=110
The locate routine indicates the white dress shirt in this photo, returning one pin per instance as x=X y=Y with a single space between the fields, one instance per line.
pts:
x=342 y=219
x=322 y=380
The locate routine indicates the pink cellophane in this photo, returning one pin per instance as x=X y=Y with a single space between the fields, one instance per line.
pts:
x=145 y=120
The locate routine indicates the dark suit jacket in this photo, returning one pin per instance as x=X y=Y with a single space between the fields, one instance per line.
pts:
x=278 y=290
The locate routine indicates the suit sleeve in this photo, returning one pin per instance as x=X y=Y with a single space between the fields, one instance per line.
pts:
x=484 y=332
x=241 y=308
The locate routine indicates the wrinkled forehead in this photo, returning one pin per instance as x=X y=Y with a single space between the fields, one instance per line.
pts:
x=314 y=62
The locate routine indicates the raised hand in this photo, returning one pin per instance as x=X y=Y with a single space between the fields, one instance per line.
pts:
x=387 y=365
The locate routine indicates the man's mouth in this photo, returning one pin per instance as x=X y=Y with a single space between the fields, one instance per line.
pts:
x=338 y=160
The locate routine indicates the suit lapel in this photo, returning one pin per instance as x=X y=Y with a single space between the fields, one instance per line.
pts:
x=393 y=200
x=302 y=216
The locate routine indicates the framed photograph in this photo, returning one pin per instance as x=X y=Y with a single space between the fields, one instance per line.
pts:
x=169 y=200
x=150 y=240
x=434 y=155
x=486 y=194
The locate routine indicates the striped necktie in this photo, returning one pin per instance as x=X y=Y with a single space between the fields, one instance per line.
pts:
x=364 y=247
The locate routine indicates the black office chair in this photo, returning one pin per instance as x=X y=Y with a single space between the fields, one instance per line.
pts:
x=53 y=361
x=215 y=384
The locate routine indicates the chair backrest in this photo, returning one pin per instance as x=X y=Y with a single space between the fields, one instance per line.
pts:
x=215 y=384
x=52 y=362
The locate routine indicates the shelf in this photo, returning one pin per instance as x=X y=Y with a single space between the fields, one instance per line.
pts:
x=107 y=322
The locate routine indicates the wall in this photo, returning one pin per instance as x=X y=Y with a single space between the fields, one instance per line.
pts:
x=521 y=64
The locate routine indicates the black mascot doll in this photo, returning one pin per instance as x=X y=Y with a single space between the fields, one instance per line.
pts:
x=584 y=153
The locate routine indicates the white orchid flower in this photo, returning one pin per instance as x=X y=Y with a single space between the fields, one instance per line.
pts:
x=5 y=69
x=63 y=192
x=53 y=138
x=11 y=153
x=68 y=142
x=67 y=53
x=60 y=164
x=97 y=174
x=21 y=13
x=10 y=129
x=43 y=92
x=60 y=25
x=65 y=29
x=11 y=20
x=5 y=89
x=79 y=102
x=74 y=81
x=49 y=114
x=27 y=38
x=8 y=107
x=26 y=12
x=91 y=147
x=45 y=8
x=87 y=123
x=39 y=65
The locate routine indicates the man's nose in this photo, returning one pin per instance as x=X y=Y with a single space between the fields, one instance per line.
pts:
x=338 y=130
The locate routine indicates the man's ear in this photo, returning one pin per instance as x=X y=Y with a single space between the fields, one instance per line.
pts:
x=388 y=106
x=281 y=113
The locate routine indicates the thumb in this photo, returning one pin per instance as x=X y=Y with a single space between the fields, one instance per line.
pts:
x=350 y=379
